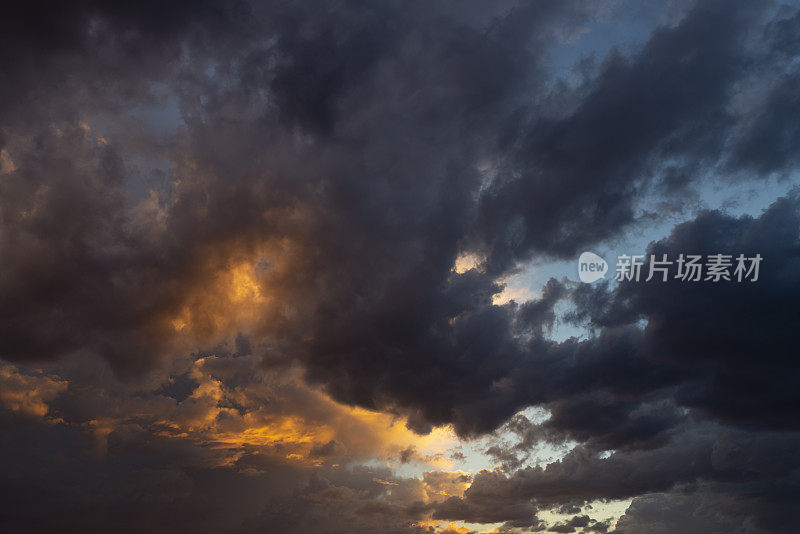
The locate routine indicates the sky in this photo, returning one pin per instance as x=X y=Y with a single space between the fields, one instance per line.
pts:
x=291 y=267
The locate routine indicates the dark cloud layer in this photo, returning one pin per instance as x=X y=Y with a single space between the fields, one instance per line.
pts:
x=703 y=399
x=295 y=184
x=579 y=175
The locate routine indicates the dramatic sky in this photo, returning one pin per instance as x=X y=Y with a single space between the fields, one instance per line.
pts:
x=311 y=267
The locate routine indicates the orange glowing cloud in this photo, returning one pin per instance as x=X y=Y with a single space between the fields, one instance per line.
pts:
x=28 y=393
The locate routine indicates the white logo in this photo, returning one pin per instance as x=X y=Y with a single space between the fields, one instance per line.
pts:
x=591 y=267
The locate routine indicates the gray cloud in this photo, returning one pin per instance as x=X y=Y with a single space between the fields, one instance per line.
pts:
x=323 y=170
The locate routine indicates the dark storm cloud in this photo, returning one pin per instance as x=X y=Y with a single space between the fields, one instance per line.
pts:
x=727 y=340
x=142 y=483
x=708 y=507
x=711 y=462
x=366 y=145
x=722 y=352
x=353 y=501
x=79 y=274
x=578 y=521
x=489 y=506
x=370 y=348
x=391 y=204
x=60 y=55
x=771 y=143
x=357 y=143
x=577 y=178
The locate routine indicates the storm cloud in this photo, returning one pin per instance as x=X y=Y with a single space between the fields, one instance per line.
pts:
x=261 y=244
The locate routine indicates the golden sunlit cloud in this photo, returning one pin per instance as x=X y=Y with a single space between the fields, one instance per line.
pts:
x=28 y=393
x=275 y=413
x=466 y=261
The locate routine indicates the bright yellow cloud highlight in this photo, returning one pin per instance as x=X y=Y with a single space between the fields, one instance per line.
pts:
x=28 y=393
x=234 y=298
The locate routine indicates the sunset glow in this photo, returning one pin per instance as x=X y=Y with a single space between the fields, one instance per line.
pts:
x=400 y=267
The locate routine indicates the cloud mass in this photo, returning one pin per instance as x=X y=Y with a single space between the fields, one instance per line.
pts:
x=251 y=255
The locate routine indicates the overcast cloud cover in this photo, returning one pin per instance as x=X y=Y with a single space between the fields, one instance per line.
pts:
x=250 y=255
